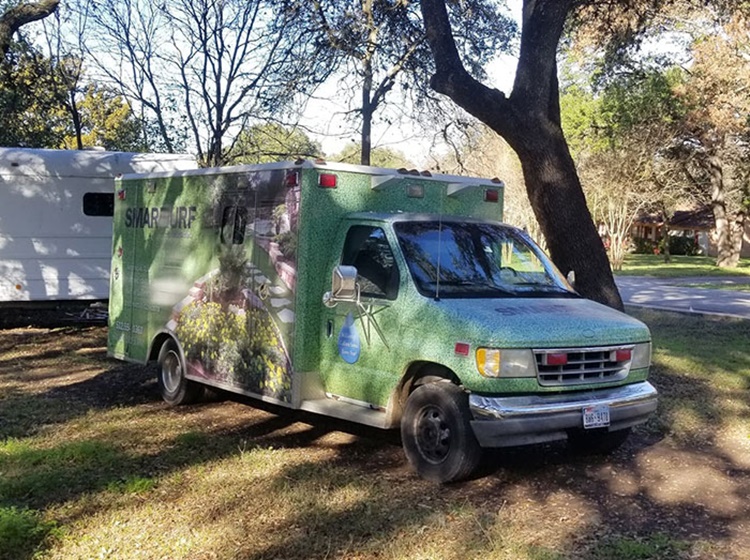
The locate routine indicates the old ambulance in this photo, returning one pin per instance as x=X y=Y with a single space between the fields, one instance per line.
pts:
x=389 y=298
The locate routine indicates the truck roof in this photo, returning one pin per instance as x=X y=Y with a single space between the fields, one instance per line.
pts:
x=385 y=173
x=393 y=217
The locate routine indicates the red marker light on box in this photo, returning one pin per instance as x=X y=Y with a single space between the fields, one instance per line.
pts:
x=327 y=180
x=462 y=349
x=492 y=195
x=292 y=178
x=121 y=194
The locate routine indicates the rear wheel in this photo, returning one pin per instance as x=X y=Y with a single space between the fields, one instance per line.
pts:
x=436 y=433
x=174 y=387
x=596 y=442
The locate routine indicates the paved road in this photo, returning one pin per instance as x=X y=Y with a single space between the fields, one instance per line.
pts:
x=680 y=294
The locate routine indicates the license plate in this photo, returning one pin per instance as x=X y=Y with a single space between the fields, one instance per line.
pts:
x=596 y=416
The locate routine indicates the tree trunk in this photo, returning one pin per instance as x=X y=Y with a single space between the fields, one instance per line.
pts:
x=76 y=116
x=738 y=237
x=665 y=236
x=724 y=257
x=529 y=121
x=559 y=205
x=367 y=110
x=366 y=137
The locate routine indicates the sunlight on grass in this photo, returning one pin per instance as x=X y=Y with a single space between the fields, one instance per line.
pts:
x=702 y=369
x=654 y=265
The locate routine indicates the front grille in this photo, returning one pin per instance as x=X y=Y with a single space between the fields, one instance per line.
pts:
x=583 y=365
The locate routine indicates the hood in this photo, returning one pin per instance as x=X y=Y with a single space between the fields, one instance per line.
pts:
x=540 y=323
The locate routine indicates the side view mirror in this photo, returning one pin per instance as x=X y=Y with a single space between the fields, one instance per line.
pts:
x=343 y=286
x=571 y=278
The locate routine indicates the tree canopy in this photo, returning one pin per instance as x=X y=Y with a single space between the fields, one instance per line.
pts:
x=379 y=44
x=212 y=68
x=684 y=117
x=268 y=142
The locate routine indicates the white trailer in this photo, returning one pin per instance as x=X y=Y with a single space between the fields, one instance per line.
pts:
x=56 y=219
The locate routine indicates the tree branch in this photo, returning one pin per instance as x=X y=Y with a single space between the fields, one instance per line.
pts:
x=14 y=18
x=536 y=75
x=451 y=77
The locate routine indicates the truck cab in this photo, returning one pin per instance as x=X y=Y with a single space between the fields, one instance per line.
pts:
x=474 y=309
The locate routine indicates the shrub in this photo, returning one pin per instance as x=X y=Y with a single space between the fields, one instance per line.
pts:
x=644 y=246
x=241 y=347
x=288 y=244
x=682 y=245
x=678 y=245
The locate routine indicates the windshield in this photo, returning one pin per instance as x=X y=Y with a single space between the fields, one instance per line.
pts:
x=477 y=260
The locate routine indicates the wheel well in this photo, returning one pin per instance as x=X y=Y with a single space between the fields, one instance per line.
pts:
x=418 y=373
x=156 y=345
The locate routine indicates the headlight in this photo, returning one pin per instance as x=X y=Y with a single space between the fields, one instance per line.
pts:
x=641 y=356
x=493 y=362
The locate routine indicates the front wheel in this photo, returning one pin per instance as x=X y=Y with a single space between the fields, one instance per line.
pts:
x=174 y=387
x=436 y=433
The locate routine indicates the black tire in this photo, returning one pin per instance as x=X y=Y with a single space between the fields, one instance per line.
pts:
x=596 y=442
x=436 y=434
x=174 y=388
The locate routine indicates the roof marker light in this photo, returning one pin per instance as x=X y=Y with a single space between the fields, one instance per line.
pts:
x=327 y=180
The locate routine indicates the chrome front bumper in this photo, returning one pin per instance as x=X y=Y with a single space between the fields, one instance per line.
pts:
x=507 y=421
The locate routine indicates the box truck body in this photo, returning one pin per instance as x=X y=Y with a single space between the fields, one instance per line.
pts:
x=388 y=298
x=56 y=220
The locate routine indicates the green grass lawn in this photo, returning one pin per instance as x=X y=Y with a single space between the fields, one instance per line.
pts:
x=680 y=266
x=94 y=465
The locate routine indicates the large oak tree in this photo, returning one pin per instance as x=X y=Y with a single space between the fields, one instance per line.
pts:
x=529 y=120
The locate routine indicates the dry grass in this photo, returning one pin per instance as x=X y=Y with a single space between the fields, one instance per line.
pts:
x=94 y=465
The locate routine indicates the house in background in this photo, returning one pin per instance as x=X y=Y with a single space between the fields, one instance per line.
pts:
x=697 y=224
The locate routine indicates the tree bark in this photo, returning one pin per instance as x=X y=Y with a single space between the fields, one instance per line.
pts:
x=724 y=257
x=367 y=111
x=14 y=18
x=529 y=120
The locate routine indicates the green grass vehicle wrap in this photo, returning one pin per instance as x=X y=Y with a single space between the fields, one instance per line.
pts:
x=234 y=263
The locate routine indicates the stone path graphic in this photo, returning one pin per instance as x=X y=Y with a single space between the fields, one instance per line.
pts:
x=280 y=305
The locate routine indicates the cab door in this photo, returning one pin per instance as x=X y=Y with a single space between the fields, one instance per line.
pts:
x=358 y=337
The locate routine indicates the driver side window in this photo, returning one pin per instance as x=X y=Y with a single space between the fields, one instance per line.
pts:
x=367 y=249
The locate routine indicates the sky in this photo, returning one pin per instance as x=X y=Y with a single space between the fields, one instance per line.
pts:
x=325 y=114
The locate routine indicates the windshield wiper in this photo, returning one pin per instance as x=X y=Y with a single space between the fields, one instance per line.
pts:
x=481 y=288
x=545 y=291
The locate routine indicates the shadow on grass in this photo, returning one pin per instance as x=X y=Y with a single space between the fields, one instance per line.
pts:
x=363 y=501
